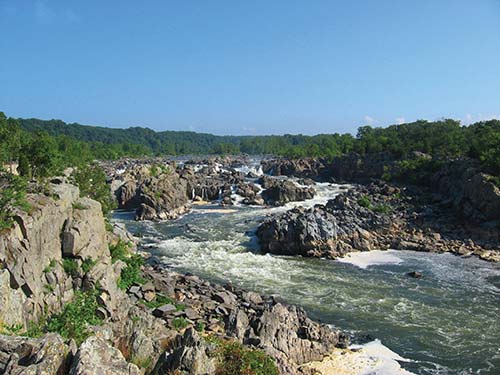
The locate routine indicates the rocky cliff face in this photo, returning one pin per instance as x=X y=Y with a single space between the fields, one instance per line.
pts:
x=60 y=228
x=472 y=194
x=32 y=277
x=459 y=184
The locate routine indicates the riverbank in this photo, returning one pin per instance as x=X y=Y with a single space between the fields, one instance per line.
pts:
x=78 y=299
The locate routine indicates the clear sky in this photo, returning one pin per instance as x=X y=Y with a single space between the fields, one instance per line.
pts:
x=250 y=66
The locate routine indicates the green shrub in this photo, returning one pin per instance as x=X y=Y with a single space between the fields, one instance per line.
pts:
x=418 y=171
x=70 y=266
x=12 y=195
x=35 y=329
x=235 y=359
x=382 y=209
x=159 y=300
x=131 y=274
x=200 y=326
x=364 y=201
x=119 y=251
x=76 y=317
x=91 y=180
x=179 y=323
x=108 y=225
x=88 y=264
x=11 y=330
x=144 y=363
x=50 y=267
x=153 y=171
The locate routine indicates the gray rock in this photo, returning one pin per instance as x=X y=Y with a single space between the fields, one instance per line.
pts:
x=96 y=356
x=27 y=356
x=164 y=310
x=190 y=354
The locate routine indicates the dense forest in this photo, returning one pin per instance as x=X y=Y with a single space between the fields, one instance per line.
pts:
x=41 y=147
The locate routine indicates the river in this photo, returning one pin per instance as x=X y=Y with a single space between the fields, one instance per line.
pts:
x=447 y=322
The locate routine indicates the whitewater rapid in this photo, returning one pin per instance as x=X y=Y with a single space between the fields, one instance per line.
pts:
x=444 y=323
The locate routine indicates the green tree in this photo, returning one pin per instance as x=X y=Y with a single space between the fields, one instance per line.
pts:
x=40 y=153
x=91 y=180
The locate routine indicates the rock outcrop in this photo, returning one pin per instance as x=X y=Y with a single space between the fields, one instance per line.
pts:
x=286 y=191
x=376 y=216
x=468 y=191
x=304 y=167
x=27 y=356
x=31 y=252
x=96 y=356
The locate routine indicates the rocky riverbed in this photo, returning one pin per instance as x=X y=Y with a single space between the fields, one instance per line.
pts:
x=160 y=189
x=376 y=216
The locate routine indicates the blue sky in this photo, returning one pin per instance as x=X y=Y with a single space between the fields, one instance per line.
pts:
x=250 y=67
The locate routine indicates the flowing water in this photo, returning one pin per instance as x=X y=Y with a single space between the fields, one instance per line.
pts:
x=447 y=322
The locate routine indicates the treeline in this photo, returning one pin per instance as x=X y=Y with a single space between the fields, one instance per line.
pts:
x=443 y=139
x=137 y=140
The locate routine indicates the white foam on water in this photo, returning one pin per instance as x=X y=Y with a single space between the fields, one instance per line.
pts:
x=255 y=169
x=372 y=358
x=365 y=259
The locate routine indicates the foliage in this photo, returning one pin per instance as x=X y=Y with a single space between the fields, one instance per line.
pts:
x=131 y=274
x=382 y=209
x=12 y=196
x=76 y=316
x=88 y=264
x=91 y=180
x=11 y=330
x=161 y=300
x=43 y=147
x=200 y=326
x=144 y=363
x=119 y=250
x=364 y=201
x=235 y=359
x=70 y=266
x=180 y=323
x=417 y=171
x=50 y=266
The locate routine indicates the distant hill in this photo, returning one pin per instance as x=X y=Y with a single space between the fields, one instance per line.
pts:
x=170 y=142
x=186 y=142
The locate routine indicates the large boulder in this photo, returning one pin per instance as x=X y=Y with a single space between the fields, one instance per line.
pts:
x=190 y=355
x=288 y=335
x=83 y=236
x=305 y=167
x=28 y=356
x=286 y=191
x=342 y=226
x=96 y=356
x=162 y=197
